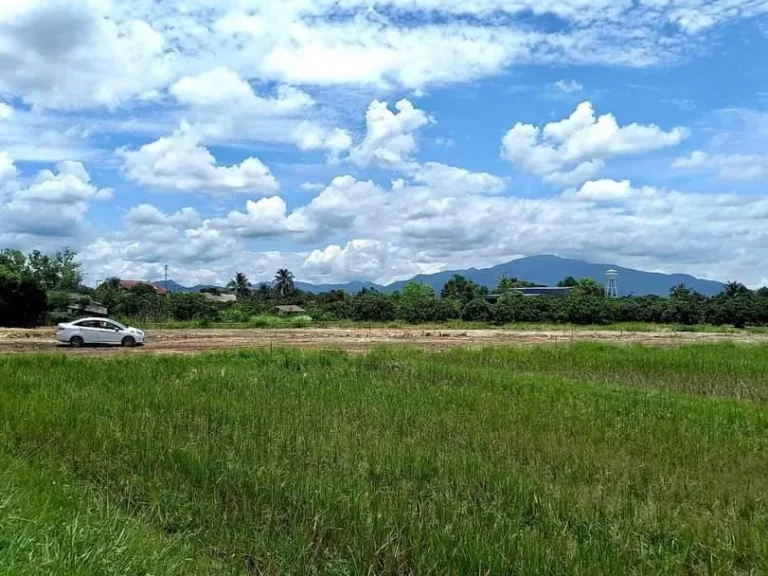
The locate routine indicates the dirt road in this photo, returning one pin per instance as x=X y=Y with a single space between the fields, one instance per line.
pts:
x=353 y=339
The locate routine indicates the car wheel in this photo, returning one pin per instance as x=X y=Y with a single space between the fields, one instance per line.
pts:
x=128 y=341
x=76 y=342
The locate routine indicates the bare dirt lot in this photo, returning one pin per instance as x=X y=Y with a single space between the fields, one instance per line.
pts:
x=353 y=339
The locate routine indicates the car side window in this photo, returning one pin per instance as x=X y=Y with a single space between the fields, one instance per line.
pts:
x=109 y=326
x=88 y=324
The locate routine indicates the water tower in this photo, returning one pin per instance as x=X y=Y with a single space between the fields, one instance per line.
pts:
x=612 y=284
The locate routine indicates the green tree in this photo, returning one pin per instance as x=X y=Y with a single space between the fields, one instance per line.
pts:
x=588 y=304
x=369 y=306
x=13 y=264
x=241 y=285
x=43 y=270
x=68 y=269
x=589 y=287
x=462 y=290
x=192 y=307
x=263 y=291
x=685 y=306
x=568 y=282
x=143 y=303
x=477 y=310
x=506 y=285
x=60 y=272
x=284 y=285
x=110 y=294
x=415 y=303
x=23 y=302
x=734 y=289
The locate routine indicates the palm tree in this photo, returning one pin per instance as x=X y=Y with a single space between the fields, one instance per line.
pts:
x=284 y=282
x=263 y=290
x=680 y=291
x=241 y=285
x=733 y=289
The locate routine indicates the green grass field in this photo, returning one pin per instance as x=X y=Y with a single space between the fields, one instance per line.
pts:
x=581 y=459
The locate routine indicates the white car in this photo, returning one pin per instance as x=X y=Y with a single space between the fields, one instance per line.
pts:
x=98 y=331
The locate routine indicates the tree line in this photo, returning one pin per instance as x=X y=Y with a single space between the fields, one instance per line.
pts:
x=39 y=288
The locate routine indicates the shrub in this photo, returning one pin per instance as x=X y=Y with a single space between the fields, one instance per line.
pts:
x=372 y=307
x=477 y=310
x=22 y=302
x=192 y=307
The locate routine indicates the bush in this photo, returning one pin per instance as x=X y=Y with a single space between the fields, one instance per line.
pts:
x=22 y=302
x=192 y=307
x=477 y=310
x=372 y=307
x=234 y=314
x=444 y=310
x=300 y=321
x=263 y=321
x=267 y=321
x=590 y=309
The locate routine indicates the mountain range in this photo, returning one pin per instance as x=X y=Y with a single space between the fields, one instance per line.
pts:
x=547 y=270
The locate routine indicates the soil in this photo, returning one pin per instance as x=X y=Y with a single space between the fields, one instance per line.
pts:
x=353 y=339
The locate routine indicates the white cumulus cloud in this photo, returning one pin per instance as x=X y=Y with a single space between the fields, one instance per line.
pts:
x=7 y=167
x=223 y=87
x=180 y=162
x=62 y=54
x=390 y=137
x=726 y=166
x=264 y=217
x=574 y=148
x=457 y=181
x=603 y=190
x=310 y=136
x=53 y=204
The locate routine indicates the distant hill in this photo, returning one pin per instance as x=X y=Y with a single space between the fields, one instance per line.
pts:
x=351 y=287
x=547 y=270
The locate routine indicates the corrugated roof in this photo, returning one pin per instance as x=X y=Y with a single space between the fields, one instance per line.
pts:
x=290 y=308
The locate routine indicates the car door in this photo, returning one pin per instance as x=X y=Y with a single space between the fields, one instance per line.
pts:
x=90 y=331
x=110 y=333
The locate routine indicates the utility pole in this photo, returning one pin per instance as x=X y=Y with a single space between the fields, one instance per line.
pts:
x=166 y=276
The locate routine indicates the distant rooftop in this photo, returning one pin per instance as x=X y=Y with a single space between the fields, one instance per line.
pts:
x=290 y=309
x=556 y=291
x=222 y=298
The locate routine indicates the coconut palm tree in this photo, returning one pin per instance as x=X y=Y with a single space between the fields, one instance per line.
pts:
x=263 y=291
x=241 y=285
x=733 y=289
x=284 y=282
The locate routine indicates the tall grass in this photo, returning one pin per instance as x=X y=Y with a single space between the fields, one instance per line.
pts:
x=50 y=525
x=570 y=460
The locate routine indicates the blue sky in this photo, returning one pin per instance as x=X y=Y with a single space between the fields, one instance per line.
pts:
x=377 y=139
